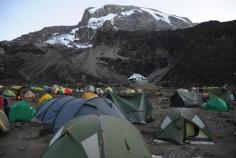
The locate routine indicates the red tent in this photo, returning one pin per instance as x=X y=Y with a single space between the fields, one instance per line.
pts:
x=68 y=91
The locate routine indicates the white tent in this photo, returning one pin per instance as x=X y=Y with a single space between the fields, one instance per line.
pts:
x=136 y=77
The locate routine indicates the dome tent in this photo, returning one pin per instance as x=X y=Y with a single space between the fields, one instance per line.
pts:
x=29 y=94
x=56 y=112
x=37 y=89
x=181 y=125
x=4 y=123
x=9 y=93
x=136 y=77
x=137 y=109
x=95 y=137
x=21 y=111
x=218 y=92
x=217 y=105
x=89 y=95
x=44 y=98
x=185 y=98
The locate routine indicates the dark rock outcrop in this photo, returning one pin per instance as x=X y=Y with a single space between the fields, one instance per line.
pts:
x=44 y=34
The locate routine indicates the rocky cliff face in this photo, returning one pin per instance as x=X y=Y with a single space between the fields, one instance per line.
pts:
x=204 y=54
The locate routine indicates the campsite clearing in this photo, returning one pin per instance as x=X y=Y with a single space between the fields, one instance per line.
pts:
x=27 y=140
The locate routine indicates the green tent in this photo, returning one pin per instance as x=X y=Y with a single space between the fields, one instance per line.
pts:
x=137 y=109
x=185 y=98
x=218 y=92
x=217 y=105
x=21 y=111
x=9 y=93
x=37 y=89
x=182 y=125
x=94 y=136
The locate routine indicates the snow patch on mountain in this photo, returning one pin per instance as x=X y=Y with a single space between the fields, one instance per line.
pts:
x=94 y=9
x=180 y=18
x=130 y=12
x=95 y=23
x=158 y=15
x=67 y=40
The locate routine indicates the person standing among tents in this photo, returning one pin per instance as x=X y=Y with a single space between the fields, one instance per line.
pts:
x=4 y=104
x=231 y=95
x=6 y=107
x=1 y=103
x=18 y=97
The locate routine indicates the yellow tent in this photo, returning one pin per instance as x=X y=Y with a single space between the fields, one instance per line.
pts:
x=4 y=123
x=89 y=95
x=44 y=98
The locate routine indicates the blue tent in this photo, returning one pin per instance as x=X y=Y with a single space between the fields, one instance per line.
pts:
x=56 y=112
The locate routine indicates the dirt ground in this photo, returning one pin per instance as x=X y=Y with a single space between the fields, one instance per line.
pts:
x=30 y=140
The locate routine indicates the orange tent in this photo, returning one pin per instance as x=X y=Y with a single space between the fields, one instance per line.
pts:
x=89 y=95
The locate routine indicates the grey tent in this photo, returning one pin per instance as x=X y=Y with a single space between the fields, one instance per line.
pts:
x=56 y=112
x=182 y=124
x=97 y=137
x=137 y=109
x=185 y=98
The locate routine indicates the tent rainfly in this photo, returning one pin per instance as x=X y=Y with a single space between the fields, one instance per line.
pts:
x=4 y=123
x=217 y=105
x=44 y=98
x=56 y=112
x=185 y=98
x=136 y=77
x=9 y=93
x=137 y=109
x=182 y=125
x=21 y=111
x=97 y=137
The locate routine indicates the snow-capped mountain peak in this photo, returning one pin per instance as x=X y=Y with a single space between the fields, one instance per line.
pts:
x=116 y=17
x=128 y=18
x=114 y=12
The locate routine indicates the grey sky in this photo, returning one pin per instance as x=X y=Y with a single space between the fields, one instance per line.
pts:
x=23 y=16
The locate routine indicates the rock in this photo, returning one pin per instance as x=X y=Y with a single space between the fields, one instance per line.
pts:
x=176 y=153
x=21 y=148
x=34 y=135
x=2 y=52
x=234 y=133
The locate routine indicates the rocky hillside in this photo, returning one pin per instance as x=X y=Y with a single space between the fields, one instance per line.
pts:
x=201 y=55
